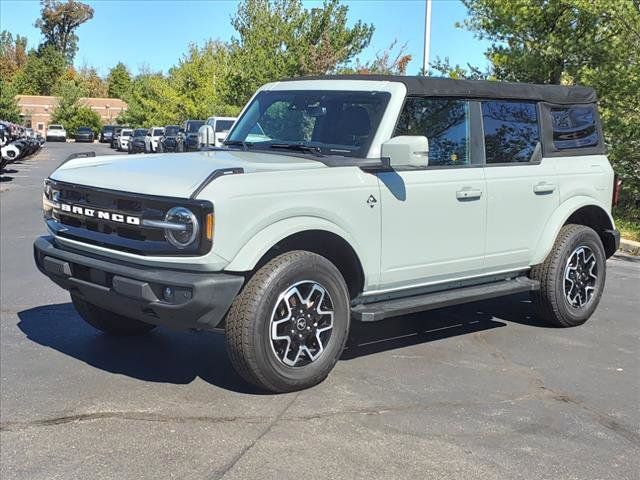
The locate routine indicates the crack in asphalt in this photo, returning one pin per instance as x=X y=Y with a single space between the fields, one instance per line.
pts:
x=13 y=426
x=541 y=392
x=538 y=389
x=219 y=474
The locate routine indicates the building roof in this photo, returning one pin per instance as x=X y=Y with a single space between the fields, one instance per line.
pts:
x=480 y=89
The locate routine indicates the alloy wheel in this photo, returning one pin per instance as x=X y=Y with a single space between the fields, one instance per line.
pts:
x=580 y=277
x=301 y=323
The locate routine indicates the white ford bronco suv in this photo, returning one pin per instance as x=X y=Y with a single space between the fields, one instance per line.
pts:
x=339 y=198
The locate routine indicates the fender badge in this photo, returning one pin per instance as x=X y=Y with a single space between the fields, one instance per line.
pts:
x=371 y=201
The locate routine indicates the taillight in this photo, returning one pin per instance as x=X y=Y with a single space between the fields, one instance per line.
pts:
x=617 y=183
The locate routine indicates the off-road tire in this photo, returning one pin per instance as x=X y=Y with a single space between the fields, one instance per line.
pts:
x=109 y=322
x=550 y=302
x=247 y=325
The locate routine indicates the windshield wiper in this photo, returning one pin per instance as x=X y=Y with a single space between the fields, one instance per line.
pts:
x=238 y=143
x=298 y=147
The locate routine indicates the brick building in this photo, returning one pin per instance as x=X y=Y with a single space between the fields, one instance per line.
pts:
x=36 y=110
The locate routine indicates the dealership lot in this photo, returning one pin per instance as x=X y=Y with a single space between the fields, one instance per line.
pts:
x=478 y=391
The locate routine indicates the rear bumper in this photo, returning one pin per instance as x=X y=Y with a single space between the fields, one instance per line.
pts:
x=199 y=300
x=610 y=241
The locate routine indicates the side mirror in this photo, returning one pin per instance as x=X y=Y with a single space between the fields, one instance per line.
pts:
x=206 y=136
x=407 y=150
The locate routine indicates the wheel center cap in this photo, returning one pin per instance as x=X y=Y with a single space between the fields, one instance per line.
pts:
x=301 y=324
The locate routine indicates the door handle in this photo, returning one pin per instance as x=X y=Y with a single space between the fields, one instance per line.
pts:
x=468 y=194
x=544 y=187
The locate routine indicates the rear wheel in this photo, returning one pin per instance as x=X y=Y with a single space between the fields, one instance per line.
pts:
x=288 y=327
x=109 y=322
x=571 y=278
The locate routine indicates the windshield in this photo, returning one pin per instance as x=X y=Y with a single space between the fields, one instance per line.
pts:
x=224 y=125
x=55 y=127
x=139 y=132
x=157 y=132
x=331 y=122
x=192 y=127
x=126 y=133
x=107 y=128
x=84 y=130
x=171 y=130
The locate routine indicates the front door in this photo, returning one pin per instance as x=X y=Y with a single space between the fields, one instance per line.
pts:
x=434 y=218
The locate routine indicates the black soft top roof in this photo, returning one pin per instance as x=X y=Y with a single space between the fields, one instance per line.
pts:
x=448 y=87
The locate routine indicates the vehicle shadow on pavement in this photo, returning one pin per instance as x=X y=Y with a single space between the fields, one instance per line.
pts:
x=162 y=355
x=180 y=357
x=369 y=338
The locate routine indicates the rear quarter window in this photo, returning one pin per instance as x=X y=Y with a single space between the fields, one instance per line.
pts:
x=574 y=127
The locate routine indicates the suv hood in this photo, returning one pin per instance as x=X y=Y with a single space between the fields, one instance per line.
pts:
x=170 y=174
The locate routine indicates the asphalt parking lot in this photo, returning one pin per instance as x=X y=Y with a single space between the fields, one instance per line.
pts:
x=480 y=391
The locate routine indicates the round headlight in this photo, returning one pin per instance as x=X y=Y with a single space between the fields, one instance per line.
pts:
x=186 y=227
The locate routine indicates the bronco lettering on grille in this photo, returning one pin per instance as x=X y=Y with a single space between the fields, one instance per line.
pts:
x=100 y=214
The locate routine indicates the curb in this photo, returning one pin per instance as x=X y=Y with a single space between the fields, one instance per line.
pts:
x=630 y=247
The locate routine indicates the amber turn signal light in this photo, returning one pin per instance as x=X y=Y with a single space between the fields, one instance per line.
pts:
x=209 y=225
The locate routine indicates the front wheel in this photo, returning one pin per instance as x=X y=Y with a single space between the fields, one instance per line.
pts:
x=109 y=322
x=571 y=278
x=288 y=327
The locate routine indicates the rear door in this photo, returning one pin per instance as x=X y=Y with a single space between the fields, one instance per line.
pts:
x=434 y=218
x=522 y=186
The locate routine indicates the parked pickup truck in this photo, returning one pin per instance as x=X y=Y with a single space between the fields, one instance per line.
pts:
x=214 y=131
x=56 y=133
x=340 y=198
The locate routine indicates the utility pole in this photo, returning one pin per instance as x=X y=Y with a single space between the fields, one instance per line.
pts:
x=427 y=38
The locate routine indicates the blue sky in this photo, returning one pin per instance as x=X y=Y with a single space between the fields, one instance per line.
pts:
x=156 y=33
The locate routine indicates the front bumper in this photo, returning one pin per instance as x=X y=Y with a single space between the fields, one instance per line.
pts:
x=199 y=300
x=191 y=143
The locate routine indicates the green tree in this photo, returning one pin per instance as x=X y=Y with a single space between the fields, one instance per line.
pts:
x=13 y=54
x=58 y=23
x=119 y=82
x=280 y=38
x=151 y=101
x=199 y=81
x=386 y=62
x=8 y=105
x=71 y=112
x=590 y=42
x=41 y=72
x=91 y=84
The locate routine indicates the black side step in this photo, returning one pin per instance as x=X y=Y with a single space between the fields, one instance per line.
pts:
x=372 y=312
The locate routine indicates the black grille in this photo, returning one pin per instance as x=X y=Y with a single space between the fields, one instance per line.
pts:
x=118 y=235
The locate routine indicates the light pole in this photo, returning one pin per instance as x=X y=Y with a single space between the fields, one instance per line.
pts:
x=427 y=38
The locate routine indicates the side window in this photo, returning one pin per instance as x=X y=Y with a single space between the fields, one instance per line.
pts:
x=444 y=122
x=511 y=132
x=574 y=127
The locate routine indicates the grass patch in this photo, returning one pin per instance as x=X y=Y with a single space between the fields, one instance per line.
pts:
x=629 y=229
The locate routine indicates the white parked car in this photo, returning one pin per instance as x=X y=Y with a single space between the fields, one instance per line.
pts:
x=152 y=138
x=56 y=133
x=124 y=138
x=214 y=131
x=342 y=199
